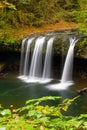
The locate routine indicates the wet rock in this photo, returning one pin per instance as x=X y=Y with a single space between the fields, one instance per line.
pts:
x=2 y=66
x=3 y=75
x=82 y=91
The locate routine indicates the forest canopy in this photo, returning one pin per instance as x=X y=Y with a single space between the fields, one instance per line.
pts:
x=19 y=18
x=37 y=12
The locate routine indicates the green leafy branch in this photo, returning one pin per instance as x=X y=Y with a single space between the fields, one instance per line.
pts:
x=34 y=116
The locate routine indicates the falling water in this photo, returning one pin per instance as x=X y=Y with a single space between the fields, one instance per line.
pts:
x=26 y=62
x=31 y=70
x=36 y=63
x=47 y=64
x=22 y=56
x=67 y=71
x=68 y=67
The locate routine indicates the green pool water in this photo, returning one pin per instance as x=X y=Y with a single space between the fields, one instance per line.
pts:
x=16 y=92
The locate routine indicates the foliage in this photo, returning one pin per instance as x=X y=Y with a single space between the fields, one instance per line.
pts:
x=36 y=13
x=15 y=14
x=34 y=116
x=4 y=4
x=82 y=16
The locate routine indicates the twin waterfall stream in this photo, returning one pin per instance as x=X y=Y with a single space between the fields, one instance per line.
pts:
x=36 y=58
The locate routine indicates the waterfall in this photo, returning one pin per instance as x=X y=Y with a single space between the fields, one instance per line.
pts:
x=47 y=64
x=34 y=71
x=22 y=56
x=36 y=63
x=68 y=67
x=26 y=62
x=66 y=79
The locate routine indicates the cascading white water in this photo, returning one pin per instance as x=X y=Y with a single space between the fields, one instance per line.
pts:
x=36 y=63
x=68 y=67
x=22 y=56
x=35 y=73
x=26 y=62
x=31 y=70
x=47 y=64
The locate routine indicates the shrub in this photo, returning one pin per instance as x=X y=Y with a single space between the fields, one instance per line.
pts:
x=34 y=116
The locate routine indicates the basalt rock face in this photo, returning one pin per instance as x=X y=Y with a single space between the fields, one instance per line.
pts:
x=9 y=61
